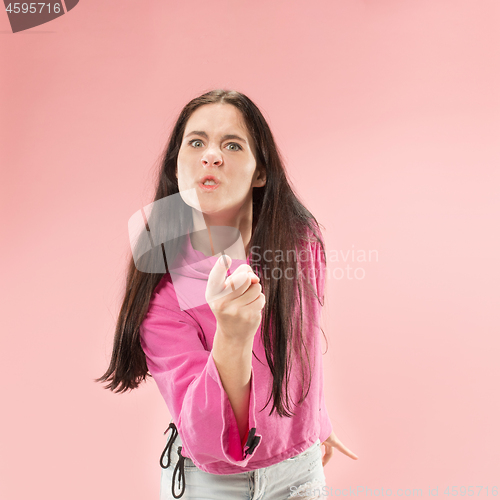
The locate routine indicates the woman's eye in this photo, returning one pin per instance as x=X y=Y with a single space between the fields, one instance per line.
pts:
x=232 y=145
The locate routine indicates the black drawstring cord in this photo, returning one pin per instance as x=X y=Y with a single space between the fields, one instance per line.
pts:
x=179 y=467
x=171 y=440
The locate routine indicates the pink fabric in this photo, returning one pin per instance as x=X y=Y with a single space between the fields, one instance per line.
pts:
x=178 y=347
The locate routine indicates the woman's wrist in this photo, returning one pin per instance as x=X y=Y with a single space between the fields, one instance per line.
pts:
x=236 y=343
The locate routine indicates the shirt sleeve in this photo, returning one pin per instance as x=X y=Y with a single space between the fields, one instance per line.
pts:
x=325 y=424
x=190 y=384
x=319 y=274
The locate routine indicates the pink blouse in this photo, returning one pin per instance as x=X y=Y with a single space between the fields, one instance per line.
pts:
x=177 y=344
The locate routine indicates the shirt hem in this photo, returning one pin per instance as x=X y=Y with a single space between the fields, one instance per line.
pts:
x=222 y=469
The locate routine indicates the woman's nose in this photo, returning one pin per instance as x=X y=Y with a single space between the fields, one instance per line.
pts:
x=211 y=159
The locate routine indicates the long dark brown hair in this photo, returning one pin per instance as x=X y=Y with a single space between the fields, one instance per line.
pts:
x=280 y=223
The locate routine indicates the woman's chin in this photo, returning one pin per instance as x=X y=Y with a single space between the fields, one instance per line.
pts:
x=216 y=211
x=211 y=210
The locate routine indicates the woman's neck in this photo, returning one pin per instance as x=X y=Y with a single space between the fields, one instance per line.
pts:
x=204 y=244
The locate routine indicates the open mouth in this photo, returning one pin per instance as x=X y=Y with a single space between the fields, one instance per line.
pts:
x=208 y=185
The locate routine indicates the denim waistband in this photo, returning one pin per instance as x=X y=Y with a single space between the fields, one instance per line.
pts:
x=179 y=465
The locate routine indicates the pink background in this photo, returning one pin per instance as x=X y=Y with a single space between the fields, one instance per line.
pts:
x=388 y=114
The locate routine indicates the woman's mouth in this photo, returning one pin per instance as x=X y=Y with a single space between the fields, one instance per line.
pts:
x=208 y=185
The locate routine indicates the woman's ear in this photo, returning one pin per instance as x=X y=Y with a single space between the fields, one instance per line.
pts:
x=260 y=180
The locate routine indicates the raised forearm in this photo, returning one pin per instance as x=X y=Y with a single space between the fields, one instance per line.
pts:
x=233 y=360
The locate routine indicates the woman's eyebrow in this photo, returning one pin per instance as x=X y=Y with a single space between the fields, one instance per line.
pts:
x=227 y=136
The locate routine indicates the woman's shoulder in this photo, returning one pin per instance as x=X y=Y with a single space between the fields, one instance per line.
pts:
x=164 y=306
x=164 y=295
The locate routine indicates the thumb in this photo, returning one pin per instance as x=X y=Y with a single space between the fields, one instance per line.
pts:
x=217 y=276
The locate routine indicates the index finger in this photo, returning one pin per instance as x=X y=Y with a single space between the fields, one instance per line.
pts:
x=346 y=451
x=228 y=272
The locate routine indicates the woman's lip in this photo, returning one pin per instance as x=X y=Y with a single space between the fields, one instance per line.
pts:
x=209 y=187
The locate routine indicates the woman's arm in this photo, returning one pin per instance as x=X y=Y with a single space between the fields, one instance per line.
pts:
x=191 y=385
x=238 y=316
x=233 y=359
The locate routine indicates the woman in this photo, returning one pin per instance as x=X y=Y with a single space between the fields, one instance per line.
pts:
x=239 y=234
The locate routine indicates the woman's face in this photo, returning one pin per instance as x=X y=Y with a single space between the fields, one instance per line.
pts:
x=216 y=144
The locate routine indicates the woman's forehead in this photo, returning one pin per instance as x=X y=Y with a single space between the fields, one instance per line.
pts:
x=220 y=118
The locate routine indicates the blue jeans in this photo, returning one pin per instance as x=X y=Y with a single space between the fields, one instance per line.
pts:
x=300 y=477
